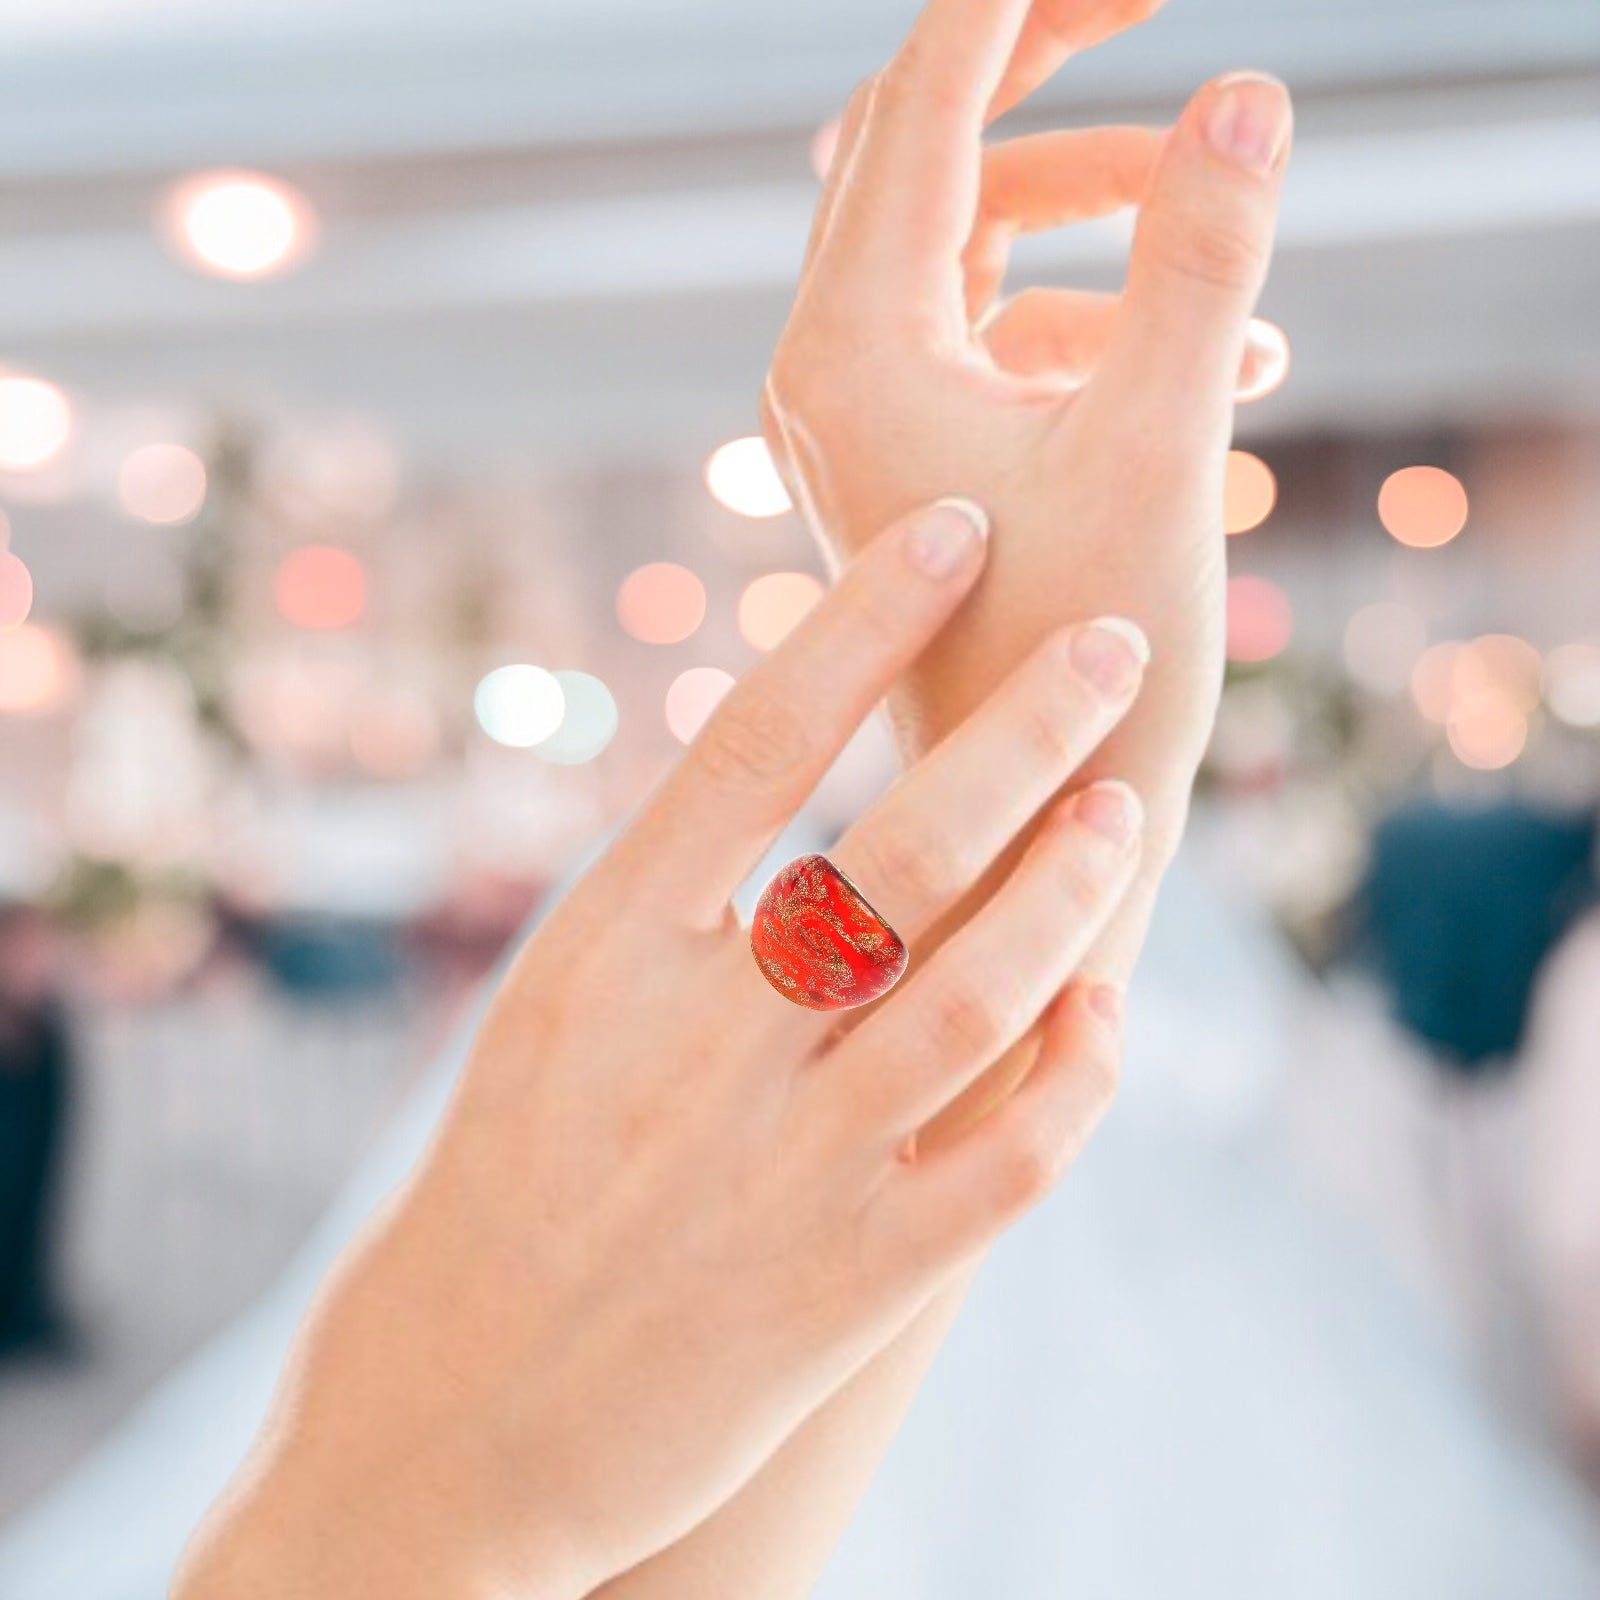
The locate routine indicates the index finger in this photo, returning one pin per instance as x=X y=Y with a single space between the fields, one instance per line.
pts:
x=778 y=730
x=907 y=206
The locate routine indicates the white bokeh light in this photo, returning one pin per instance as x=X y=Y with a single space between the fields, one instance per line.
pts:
x=693 y=696
x=1382 y=644
x=741 y=476
x=162 y=483
x=238 y=224
x=519 y=705
x=35 y=422
x=1572 y=683
x=588 y=724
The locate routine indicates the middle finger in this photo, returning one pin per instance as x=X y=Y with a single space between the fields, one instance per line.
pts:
x=929 y=840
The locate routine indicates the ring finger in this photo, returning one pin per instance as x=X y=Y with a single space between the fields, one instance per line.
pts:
x=929 y=840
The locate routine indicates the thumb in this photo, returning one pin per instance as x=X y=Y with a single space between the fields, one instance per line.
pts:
x=1202 y=245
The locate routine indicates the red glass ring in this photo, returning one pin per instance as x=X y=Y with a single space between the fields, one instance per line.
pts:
x=819 y=943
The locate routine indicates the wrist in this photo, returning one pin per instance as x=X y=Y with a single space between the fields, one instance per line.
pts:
x=327 y=1531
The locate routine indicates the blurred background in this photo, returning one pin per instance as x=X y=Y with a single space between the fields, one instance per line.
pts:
x=379 y=514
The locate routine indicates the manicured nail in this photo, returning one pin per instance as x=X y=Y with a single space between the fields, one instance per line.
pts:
x=1105 y=1000
x=1248 y=120
x=944 y=536
x=1110 y=654
x=1110 y=809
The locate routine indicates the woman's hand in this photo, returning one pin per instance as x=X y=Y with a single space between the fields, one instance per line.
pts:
x=1094 y=428
x=669 y=1213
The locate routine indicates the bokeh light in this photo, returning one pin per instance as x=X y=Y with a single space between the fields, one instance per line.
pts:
x=661 y=603
x=825 y=146
x=1486 y=730
x=1572 y=683
x=588 y=724
x=1433 y=680
x=1452 y=678
x=35 y=422
x=1510 y=666
x=741 y=476
x=1423 y=507
x=1382 y=644
x=771 y=607
x=37 y=670
x=162 y=483
x=16 y=591
x=320 y=586
x=694 y=695
x=238 y=224
x=518 y=705
x=1249 y=492
x=1266 y=362
x=1260 y=619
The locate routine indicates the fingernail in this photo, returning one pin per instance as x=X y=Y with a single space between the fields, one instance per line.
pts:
x=1110 y=809
x=1105 y=1000
x=944 y=536
x=1248 y=120
x=1110 y=653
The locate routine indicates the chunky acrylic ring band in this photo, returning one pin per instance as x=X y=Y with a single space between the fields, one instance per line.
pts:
x=819 y=943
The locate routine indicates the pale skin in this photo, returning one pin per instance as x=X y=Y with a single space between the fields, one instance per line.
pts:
x=669 y=1213
x=562 y=1361
x=1095 y=430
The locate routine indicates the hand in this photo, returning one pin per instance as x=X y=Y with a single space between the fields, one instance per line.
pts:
x=669 y=1213
x=1094 y=429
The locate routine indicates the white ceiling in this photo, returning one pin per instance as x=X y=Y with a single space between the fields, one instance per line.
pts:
x=571 y=225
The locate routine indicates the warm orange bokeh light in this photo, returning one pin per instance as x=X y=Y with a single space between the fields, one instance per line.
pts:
x=1433 y=680
x=694 y=695
x=1498 y=667
x=1423 y=507
x=1249 y=492
x=1486 y=730
x=37 y=670
x=770 y=607
x=661 y=603
x=320 y=586
x=16 y=591
x=1260 y=619
x=1504 y=663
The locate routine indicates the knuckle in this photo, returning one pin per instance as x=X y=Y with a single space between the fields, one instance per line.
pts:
x=755 y=740
x=1085 y=877
x=1052 y=727
x=1208 y=252
x=806 y=378
x=968 y=1022
x=916 y=79
x=913 y=863
x=1027 y=1168
x=860 y=101
x=1104 y=1070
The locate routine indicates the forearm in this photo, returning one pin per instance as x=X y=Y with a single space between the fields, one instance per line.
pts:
x=774 y=1538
